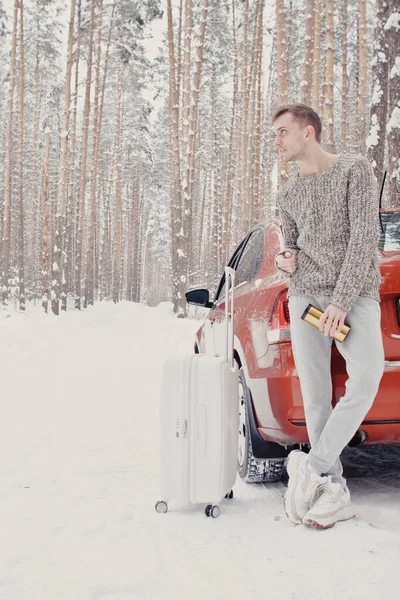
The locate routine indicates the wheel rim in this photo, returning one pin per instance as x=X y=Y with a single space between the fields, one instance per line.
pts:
x=242 y=426
x=161 y=507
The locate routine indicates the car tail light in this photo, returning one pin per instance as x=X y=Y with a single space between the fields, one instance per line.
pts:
x=279 y=323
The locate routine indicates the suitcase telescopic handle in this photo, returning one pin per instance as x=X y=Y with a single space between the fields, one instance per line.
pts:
x=229 y=324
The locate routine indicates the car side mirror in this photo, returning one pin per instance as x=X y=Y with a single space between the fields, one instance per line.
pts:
x=199 y=298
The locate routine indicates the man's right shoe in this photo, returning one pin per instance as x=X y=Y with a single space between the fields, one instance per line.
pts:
x=333 y=505
x=303 y=489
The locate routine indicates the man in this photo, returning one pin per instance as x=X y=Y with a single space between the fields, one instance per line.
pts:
x=330 y=224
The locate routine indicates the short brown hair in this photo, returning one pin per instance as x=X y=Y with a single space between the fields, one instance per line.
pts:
x=302 y=113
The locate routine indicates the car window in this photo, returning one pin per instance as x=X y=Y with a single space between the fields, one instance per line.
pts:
x=272 y=244
x=390 y=231
x=231 y=263
x=250 y=258
x=246 y=260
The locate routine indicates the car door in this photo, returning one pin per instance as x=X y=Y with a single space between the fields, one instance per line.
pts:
x=246 y=262
x=217 y=313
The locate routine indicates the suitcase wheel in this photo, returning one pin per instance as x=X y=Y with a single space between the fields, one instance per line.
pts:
x=161 y=506
x=212 y=511
x=229 y=495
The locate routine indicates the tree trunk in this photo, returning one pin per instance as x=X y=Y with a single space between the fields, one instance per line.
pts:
x=354 y=78
x=179 y=57
x=21 y=241
x=281 y=49
x=216 y=172
x=188 y=193
x=34 y=247
x=345 y=83
x=269 y=150
x=329 y=77
x=175 y=174
x=82 y=175
x=306 y=84
x=58 y=265
x=250 y=199
x=380 y=85
x=257 y=199
x=137 y=237
x=362 y=91
x=71 y=207
x=129 y=266
x=89 y=295
x=228 y=193
x=99 y=255
x=194 y=105
x=45 y=223
x=104 y=270
x=186 y=116
x=245 y=99
x=282 y=72
x=393 y=126
x=316 y=78
x=6 y=230
x=118 y=199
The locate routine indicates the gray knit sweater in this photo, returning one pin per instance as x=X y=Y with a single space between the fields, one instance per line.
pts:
x=330 y=221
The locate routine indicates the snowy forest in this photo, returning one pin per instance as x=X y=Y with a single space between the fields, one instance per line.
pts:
x=136 y=149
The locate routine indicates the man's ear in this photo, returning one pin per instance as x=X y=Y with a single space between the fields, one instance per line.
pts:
x=310 y=131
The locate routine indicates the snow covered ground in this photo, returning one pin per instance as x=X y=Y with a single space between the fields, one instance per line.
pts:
x=79 y=479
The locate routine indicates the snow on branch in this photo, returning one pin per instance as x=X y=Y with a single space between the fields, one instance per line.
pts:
x=394 y=121
x=393 y=22
x=395 y=71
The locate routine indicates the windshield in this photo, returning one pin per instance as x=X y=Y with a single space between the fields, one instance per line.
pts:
x=390 y=230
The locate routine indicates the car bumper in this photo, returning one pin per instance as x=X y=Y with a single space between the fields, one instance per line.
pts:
x=281 y=416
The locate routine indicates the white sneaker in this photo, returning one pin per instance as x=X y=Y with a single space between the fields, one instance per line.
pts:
x=334 y=504
x=303 y=487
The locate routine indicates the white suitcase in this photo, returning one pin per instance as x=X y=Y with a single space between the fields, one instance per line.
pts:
x=199 y=423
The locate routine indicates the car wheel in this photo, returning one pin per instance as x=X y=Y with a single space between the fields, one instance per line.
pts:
x=250 y=469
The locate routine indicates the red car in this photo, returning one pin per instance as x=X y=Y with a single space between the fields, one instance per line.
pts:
x=272 y=420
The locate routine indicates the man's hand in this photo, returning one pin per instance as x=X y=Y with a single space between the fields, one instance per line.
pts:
x=286 y=261
x=332 y=320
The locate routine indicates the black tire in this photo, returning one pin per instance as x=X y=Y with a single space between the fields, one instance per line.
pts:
x=250 y=469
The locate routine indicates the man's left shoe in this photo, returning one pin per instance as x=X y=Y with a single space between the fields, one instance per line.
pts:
x=303 y=488
x=333 y=505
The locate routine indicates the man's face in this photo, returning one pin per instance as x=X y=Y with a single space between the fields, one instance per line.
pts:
x=290 y=137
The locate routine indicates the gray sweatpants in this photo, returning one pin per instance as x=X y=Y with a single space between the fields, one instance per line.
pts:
x=330 y=430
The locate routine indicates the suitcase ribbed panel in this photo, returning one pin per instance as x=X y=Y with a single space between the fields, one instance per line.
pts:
x=231 y=428
x=174 y=429
x=214 y=444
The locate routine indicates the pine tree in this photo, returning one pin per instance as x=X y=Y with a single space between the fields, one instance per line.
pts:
x=82 y=175
x=45 y=222
x=316 y=85
x=362 y=93
x=282 y=69
x=58 y=272
x=345 y=82
x=306 y=84
x=21 y=209
x=329 y=77
x=6 y=229
x=91 y=256
x=392 y=27
x=379 y=101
